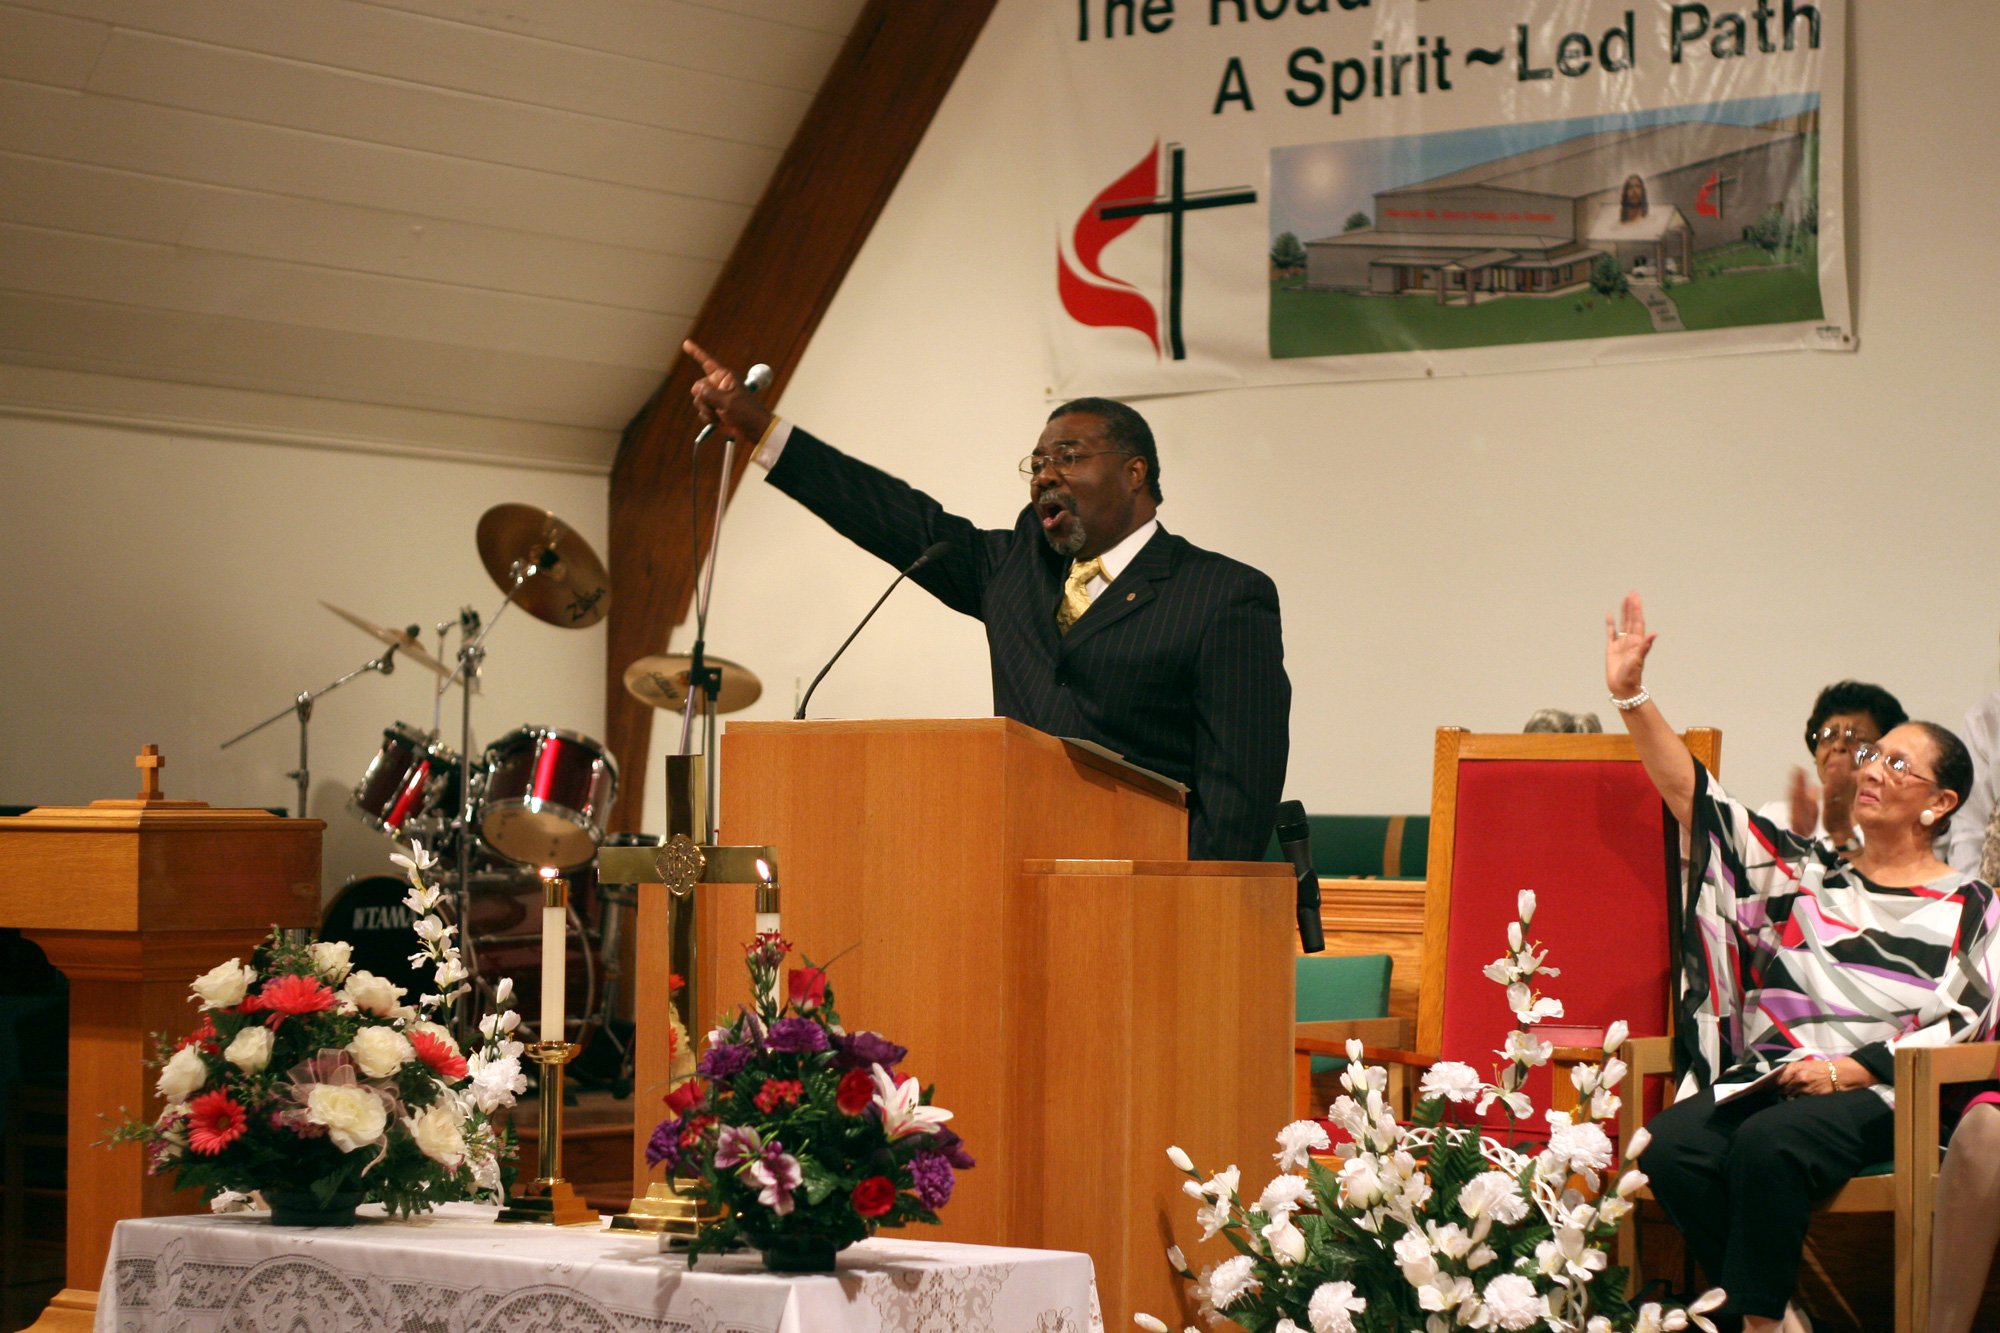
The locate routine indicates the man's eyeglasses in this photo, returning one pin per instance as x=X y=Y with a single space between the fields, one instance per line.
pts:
x=1899 y=767
x=1062 y=460
x=1847 y=736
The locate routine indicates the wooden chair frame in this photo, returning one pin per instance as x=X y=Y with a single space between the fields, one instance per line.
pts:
x=1910 y=1193
x=1453 y=747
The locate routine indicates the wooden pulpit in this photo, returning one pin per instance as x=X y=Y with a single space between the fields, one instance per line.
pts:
x=1020 y=913
x=133 y=900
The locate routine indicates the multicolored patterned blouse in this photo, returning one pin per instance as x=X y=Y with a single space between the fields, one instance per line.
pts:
x=1788 y=953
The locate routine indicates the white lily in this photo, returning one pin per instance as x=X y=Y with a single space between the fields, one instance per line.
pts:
x=902 y=1111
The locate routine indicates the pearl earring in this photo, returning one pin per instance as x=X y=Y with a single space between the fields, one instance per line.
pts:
x=1927 y=818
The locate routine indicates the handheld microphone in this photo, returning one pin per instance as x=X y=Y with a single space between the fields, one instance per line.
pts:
x=931 y=552
x=754 y=380
x=1295 y=841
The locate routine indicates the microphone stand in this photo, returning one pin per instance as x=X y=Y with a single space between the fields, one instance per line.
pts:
x=704 y=679
x=302 y=708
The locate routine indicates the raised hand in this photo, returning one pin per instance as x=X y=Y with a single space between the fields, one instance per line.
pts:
x=719 y=396
x=1626 y=644
x=1803 y=799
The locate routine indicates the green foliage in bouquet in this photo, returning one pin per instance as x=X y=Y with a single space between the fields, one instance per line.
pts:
x=307 y=1076
x=799 y=1132
x=1434 y=1225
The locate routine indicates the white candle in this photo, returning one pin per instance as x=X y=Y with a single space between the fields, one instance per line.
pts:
x=555 y=929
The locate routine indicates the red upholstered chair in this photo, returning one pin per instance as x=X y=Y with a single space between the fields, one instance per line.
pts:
x=1575 y=818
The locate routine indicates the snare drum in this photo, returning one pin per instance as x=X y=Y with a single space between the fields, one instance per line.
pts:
x=547 y=795
x=410 y=776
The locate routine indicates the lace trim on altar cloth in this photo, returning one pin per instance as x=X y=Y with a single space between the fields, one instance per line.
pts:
x=186 y=1290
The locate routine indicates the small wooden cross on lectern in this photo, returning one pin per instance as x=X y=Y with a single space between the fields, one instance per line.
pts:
x=149 y=763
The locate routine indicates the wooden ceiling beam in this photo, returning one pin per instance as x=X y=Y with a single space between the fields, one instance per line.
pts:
x=830 y=186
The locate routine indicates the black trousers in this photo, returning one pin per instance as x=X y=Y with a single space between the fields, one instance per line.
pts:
x=1740 y=1180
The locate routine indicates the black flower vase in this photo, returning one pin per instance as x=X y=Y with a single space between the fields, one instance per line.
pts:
x=798 y=1254
x=302 y=1208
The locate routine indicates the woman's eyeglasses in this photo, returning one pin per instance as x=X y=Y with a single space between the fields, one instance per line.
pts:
x=1899 y=767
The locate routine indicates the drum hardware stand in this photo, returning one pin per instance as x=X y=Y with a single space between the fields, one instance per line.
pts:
x=302 y=708
x=471 y=657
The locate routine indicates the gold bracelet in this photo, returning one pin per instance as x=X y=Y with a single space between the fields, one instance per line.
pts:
x=1833 y=1076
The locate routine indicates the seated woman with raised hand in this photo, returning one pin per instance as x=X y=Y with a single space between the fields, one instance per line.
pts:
x=1806 y=971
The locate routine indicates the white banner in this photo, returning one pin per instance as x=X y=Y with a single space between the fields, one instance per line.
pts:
x=1274 y=191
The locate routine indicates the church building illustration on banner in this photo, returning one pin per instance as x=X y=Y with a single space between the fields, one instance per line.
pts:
x=1694 y=218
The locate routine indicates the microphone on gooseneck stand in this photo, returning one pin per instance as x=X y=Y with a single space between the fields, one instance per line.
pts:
x=1295 y=841
x=754 y=380
x=931 y=552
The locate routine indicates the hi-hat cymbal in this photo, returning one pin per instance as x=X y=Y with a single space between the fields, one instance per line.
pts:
x=662 y=681
x=405 y=644
x=568 y=587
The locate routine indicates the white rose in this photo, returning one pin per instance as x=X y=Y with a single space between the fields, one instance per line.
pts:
x=333 y=959
x=439 y=1136
x=354 y=1117
x=380 y=1051
x=183 y=1076
x=372 y=994
x=250 y=1049
x=1288 y=1243
x=224 y=985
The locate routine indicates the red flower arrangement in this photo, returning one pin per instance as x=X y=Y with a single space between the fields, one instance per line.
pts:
x=805 y=1136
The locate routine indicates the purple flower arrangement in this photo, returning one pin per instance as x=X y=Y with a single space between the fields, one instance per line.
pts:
x=802 y=1136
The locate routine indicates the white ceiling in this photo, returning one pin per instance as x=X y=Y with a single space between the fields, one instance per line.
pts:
x=461 y=225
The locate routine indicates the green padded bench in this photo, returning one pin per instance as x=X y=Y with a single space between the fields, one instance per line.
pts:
x=1366 y=846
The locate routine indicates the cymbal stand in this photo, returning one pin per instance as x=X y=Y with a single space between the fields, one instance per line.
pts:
x=302 y=708
x=705 y=681
x=471 y=657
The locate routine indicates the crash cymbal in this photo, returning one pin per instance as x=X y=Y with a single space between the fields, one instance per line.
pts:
x=662 y=681
x=411 y=650
x=568 y=587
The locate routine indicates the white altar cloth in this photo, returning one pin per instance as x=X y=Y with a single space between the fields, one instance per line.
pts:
x=456 y=1271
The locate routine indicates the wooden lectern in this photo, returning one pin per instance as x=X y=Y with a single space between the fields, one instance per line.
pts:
x=1019 y=912
x=133 y=900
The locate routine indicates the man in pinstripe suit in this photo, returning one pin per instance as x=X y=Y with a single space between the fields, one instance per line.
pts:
x=1176 y=661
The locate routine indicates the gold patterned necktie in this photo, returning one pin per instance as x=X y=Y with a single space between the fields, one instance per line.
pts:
x=1076 y=591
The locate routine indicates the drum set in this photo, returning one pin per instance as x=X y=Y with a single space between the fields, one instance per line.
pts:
x=538 y=797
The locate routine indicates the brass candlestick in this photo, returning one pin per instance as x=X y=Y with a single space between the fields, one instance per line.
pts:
x=548 y=1198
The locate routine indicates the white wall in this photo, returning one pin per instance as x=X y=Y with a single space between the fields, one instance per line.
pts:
x=1446 y=551
x=165 y=587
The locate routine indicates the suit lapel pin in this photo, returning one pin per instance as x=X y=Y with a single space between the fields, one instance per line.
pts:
x=1131 y=596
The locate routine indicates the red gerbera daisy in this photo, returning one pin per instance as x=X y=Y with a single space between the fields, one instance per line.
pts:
x=287 y=995
x=215 y=1120
x=438 y=1053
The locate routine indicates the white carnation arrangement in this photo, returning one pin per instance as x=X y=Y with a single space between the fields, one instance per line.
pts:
x=1434 y=1226
x=310 y=1079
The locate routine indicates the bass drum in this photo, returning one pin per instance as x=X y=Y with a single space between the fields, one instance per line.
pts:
x=370 y=916
x=505 y=939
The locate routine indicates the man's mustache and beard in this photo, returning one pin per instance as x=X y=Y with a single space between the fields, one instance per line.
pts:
x=1067 y=536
